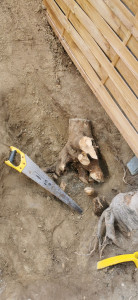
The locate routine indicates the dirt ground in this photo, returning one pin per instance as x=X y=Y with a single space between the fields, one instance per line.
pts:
x=40 y=89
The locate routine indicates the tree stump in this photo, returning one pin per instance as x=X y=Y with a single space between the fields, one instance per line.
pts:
x=81 y=149
x=122 y=211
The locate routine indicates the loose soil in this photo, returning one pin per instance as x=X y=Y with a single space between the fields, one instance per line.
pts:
x=40 y=237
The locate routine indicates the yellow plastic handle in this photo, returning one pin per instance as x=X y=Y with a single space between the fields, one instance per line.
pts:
x=22 y=162
x=117 y=260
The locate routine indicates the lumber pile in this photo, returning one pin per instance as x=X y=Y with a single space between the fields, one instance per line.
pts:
x=101 y=39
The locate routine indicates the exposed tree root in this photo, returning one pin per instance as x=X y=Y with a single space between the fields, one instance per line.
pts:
x=123 y=211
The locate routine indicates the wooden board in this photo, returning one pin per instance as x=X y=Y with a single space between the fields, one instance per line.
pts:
x=132 y=5
x=103 y=46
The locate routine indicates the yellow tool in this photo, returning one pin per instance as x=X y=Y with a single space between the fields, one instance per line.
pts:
x=9 y=162
x=117 y=260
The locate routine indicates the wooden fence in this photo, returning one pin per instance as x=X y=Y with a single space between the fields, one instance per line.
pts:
x=101 y=37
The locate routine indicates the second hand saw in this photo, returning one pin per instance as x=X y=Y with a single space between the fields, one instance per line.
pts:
x=30 y=169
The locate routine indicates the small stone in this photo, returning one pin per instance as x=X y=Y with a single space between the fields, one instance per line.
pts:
x=63 y=185
x=39 y=226
x=43 y=6
x=89 y=191
x=24 y=250
x=63 y=265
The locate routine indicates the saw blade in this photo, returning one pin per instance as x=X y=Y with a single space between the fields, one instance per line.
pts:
x=36 y=174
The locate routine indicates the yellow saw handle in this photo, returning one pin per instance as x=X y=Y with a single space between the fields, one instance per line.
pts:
x=9 y=162
x=117 y=260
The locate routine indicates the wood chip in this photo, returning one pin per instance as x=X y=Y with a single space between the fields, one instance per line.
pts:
x=63 y=185
x=89 y=191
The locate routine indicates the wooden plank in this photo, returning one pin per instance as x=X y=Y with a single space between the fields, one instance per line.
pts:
x=83 y=32
x=125 y=72
x=90 y=26
x=124 y=15
x=91 y=78
x=132 y=5
x=63 y=6
x=116 y=94
x=93 y=61
x=120 y=66
x=102 y=59
x=111 y=19
x=115 y=23
x=113 y=75
x=128 y=76
x=133 y=46
x=53 y=16
x=129 y=99
x=114 y=41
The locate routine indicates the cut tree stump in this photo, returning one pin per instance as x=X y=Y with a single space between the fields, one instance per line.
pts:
x=81 y=149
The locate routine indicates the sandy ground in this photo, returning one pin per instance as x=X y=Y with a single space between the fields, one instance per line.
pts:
x=40 y=89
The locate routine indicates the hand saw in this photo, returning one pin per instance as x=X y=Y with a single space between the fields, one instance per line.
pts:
x=30 y=169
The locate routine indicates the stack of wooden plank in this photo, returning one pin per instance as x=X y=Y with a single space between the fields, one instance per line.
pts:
x=101 y=39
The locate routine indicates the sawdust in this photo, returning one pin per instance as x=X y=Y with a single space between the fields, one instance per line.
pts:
x=40 y=89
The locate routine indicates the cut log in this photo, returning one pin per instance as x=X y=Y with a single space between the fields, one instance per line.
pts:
x=83 y=159
x=86 y=145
